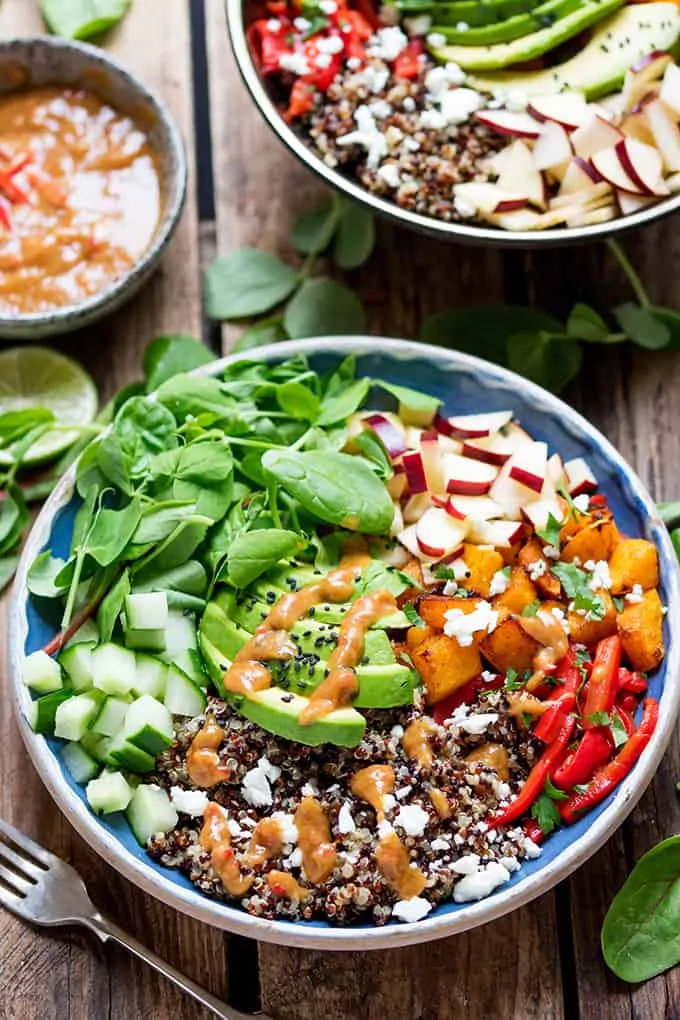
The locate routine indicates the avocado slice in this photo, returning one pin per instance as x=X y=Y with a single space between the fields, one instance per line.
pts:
x=499 y=55
x=385 y=686
x=477 y=13
x=278 y=711
x=512 y=28
x=600 y=67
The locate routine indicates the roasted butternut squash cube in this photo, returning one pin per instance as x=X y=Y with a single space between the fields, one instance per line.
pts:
x=592 y=536
x=414 y=635
x=482 y=564
x=433 y=608
x=519 y=593
x=529 y=556
x=509 y=647
x=444 y=665
x=634 y=561
x=640 y=627
x=585 y=631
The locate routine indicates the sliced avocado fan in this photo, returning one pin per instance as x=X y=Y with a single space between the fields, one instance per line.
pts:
x=477 y=13
x=545 y=15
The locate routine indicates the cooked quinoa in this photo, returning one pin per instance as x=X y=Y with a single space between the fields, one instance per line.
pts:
x=459 y=856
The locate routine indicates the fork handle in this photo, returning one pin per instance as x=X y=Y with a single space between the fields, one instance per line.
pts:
x=107 y=929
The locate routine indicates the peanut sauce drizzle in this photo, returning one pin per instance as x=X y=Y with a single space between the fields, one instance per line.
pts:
x=417 y=741
x=495 y=756
x=395 y=864
x=266 y=842
x=216 y=838
x=521 y=704
x=282 y=883
x=549 y=632
x=203 y=763
x=371 y=784
x=319 y=854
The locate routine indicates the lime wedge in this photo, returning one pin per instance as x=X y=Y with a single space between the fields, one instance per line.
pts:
x=39 y=377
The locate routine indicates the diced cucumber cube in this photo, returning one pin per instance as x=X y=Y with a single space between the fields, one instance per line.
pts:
x=147 y=610
x=41 y=712
x=111 y=717
x=124 y=755
x=150 y=676
x=150 y=812
x=182 y=695
x=110 y=792
x=77 y=661
x=180 y=633
x=88 y=631
x=42 y=673
x=191 y=663
x=113 y=669
x=97 y=746
x=82 y=767
x=145 y=640
x=148 y=725
x=75 y=716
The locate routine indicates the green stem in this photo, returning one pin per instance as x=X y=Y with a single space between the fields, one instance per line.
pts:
x=630 y=274
x=274 y=505
x=670 y=514
x=675 y=539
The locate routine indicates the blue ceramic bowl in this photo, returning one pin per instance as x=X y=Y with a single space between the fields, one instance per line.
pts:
x=464 y=384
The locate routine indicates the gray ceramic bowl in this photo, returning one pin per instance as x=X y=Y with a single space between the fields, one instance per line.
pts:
x=238 y=19
x=44 y=61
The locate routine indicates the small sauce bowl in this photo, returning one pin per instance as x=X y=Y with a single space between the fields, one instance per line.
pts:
x=46 y=62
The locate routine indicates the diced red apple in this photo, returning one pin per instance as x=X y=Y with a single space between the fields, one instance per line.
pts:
x=438 y=534
x=489 y=198
x=499 y=534
x=397 y=521
x=478 y=508
x=498 y=448
x=507 y=122
x=552 y=150
x=511 y=495
x=638 y=78
x=415 y=507
x=433 y=461
x=629 y=204
x=568 y=109
x=580 y=176
x=475 y=426
x=413 y=435
x=580 y=477
x=468 y=477
x=540 y=510
x=556 y=476
x=665 y=132
x=609 y=166
x=396 y=486
x=414 y=469
x=530 y=465
x=609 y=107
x=521 y=177
x=643 y=165
x=636 y=125
x=593 y=136
x=409 y=539
x=670 y=88
x=392 y=438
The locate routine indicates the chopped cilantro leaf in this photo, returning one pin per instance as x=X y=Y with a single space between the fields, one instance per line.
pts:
x=580 y=788
x=444 y=573
x=544 y=810
x=531 y=609
x=582 y=655
x=551 y=533
x=506 y=571
x=573 y=509
x=576 y=584
x=413 y=616
x=599 y=718
x=618 y=730
x=553 y=792
x=317 y=24
x=513 y=682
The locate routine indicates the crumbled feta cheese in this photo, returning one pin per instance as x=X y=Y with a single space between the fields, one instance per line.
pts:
x=466 y=865
x=488 y=677
x=411 y=144
x=235 y=829
x=472 y=724
x=582 y=502
x=432 y=120
x=411 y=910
x=273 y=25
x=330 y=44
x=384 y=828
x=302 y=24
x=272 y=772
x=436 y=40
x=440 y=844
x=323 y=60
x=516 y=100
x=530 y=848
x=368 y=136
x=551 y=551
x=436 y=82
x=510 y=864
x=455 y=73
x=295 y=63
x=402 y=792
x=412 y=819
x=189 y=802
x=328 y=6
x=256 y=789
x=409 y=104
x=463 y=626
x=464 y=207
x=380 y=109
x=636 y=595
x=310 y=789
x=601 y=577
x=388 y=43
x=286 y=823
x=388 y=803
x=374 y=78
x=345 y=820
x=295 y=859
x=561 y=618
x=397 y=732
x=354 y=63
x=462 y=26
x=499 y=583
x=537 y=569
x=419 y=25
x=480 y=883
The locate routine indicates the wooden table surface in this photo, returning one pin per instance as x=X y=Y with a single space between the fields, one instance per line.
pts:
x=541 y=962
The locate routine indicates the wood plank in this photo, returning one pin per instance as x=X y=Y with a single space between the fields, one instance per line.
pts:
x=260 y=189
x=62 y=975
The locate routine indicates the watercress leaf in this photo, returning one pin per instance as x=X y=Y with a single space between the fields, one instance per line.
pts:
x=42 y=576
x=251 y=466
x=411 y=402
x=485 y=330
x=551 y=362
x=190 y=578
x=641 y=932
x=200 y=473
x=313 y=231
x=112 y=463
x=159 y=521
x=8 y=566
x=84 y=518
x=355 y=237
x=642 y=326
x=247 y=282
x=111 y=606
x=334 y=487
x=267 y=331
x=169 y=355
x=584 y=323
x=144 y=427
x=670 y=318
x=669 y=513
x=369 y=446
x=343 y=403
x=186 y=395
x=82 y=19
x=253 y=552
x=675 y=539
x=323 y=307
x=89 y=475
x=298 y=401
x=111 y=532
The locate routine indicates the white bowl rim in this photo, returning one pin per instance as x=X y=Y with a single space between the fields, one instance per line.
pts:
x=301 y=935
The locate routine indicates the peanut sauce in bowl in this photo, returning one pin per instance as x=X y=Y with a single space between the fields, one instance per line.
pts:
x=92 y=184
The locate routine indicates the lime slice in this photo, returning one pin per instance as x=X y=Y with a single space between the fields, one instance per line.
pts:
x=38 y=377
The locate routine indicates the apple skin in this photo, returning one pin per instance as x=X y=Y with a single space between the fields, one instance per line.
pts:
x=463 y=487
x=388 y=434
x=415 y=472
x=532 y=481
x=506 y=123
x=628 y=163
x=494 y=457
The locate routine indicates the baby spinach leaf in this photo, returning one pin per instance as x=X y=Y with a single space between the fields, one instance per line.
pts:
x=247 y=282
x=111 y=532
x=160 y=520
x=112 y=463
x=549 y=361
x=298 y=401
x=369 y=446
x=313 y=231
x=186 y=395
x=334 y=487
x=339 y=407
x=199 y=473
x=144 y=428
x=642 y=326
x=42 y=576
x=253 y=552
x=355 y=237
x=267 y=331
x=167 y=356
x=111 y=606
x=323 y=307
x=8 y=566
x=179 y=546
x=340 y=377
x=641 y=932
x=82 y=19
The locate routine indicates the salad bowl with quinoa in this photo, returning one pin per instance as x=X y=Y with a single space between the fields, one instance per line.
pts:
x=363 y=638
x=506 y=121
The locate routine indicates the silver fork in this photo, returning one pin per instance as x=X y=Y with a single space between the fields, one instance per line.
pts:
x=41 y=888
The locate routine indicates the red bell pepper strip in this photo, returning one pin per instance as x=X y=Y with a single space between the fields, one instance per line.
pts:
x=568 y=676
x=301 y=100
x=366 y=12
x=535 y=781
x=267 y=46
x=608 y=777
x=625 y=715
x=408 y=64
x=533 y=830
x=443 y=710
x=633 y=682
x=551 y=722
x=628 y=702
x=603 y=681
x=594 y=750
